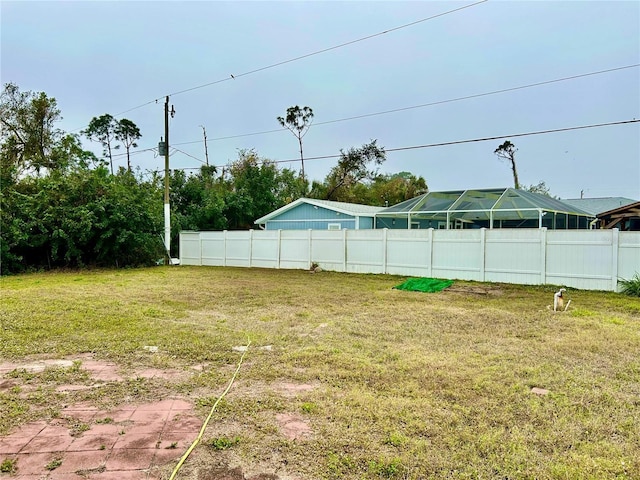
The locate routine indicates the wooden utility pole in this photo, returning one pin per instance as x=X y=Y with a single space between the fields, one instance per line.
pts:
x=206 y=152
x=167 y=210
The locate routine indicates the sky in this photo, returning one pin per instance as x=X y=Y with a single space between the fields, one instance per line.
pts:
x=123 y=58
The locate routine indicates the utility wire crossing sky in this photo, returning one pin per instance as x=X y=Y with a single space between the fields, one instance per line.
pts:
x=367 y=69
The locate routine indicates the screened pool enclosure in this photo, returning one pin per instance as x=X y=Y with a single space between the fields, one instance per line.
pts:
x=484 y=208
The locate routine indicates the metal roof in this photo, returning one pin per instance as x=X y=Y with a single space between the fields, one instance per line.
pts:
x=599 y=205
x=499 y=203
x=354 y=209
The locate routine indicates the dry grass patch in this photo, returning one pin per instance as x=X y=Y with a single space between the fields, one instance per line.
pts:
x=405 y=385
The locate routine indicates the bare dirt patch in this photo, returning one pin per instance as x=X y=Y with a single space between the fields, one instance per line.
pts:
x=227 y=473
x=293 y=426
x=293 y=389
x=475 y=290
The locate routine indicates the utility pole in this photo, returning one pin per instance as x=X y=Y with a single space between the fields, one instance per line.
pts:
x=206 y=152
x=167 y=210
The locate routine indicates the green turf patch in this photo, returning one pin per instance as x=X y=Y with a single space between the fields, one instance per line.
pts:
x=424 y=285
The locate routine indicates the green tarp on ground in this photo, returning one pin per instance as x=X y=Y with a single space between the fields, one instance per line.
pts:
x=424 y=285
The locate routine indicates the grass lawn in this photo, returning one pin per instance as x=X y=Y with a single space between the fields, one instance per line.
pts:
x=405 y=385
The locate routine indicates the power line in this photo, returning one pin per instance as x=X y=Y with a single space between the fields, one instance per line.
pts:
x=235 y=136
x=455 y=142
x=440 y=102
x=318 y=52
x=513 y=135
x=468 y=97
x=459 y=142
x=188 y=154
x=134 y=152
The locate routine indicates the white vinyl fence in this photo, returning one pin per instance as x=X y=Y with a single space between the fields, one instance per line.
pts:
x=584 y=259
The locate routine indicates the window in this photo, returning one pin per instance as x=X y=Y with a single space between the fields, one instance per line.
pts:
x=334 y=226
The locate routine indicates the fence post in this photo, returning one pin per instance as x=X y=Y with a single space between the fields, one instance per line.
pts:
x=224 y=248
x=344 y=249
x=430 y=266
x=615 y=245
x=309 y=245
x=250 y=247
x=279 y=248
x=384 y=250
x=200 y=249
x=483 y=252
x=543 y=255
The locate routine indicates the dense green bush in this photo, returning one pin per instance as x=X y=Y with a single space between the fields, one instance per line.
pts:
x=80 y=217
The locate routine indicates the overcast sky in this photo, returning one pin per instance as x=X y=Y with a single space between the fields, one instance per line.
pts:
x=111 y=57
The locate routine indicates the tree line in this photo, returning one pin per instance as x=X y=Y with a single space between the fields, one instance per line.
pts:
x=63 y=206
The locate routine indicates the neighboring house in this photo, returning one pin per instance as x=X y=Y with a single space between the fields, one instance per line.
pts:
x=625 y=218
x=596 y=206
x=309 y=213
x=484 y=208
x=459 y=209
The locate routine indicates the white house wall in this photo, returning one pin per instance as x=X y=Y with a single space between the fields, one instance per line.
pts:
x=585 y=259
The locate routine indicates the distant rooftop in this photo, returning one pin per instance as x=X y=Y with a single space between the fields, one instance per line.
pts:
x=352 y=208
x=595 y=206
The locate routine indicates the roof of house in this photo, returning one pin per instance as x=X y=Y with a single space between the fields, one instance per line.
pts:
x=354 y=209
x=634 y=208
x=596 y=206
x=471 y=203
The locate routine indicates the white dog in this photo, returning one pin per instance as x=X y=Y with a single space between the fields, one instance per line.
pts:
x=558 y=301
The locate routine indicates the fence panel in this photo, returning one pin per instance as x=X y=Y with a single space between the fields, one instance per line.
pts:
x=628 y=254
x=295 y=249
x=190 y=248
x=456 y=254
x=365 y=251
x=212 y=248
x=265 y=249
x=514 y=256
x=585 y=259
x=581 y=259
x=238 y=248
x=409 y=252
x=328 y=249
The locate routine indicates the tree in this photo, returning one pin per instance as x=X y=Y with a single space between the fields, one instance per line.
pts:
x=507 y=151
x=28 y=135
x=127 y=132
x=353 y=167
x=197 y=202
x=540 y=187
x=103 y=129
x=393 y=189
x=251 y=190
x=80 y=216
x=72 y=212
x=298 y=121
x=289 y=186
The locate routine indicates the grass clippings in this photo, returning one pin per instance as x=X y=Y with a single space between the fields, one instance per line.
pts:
x=403 y=388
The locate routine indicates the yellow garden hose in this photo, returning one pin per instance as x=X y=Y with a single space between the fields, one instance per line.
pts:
x=206 y=422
